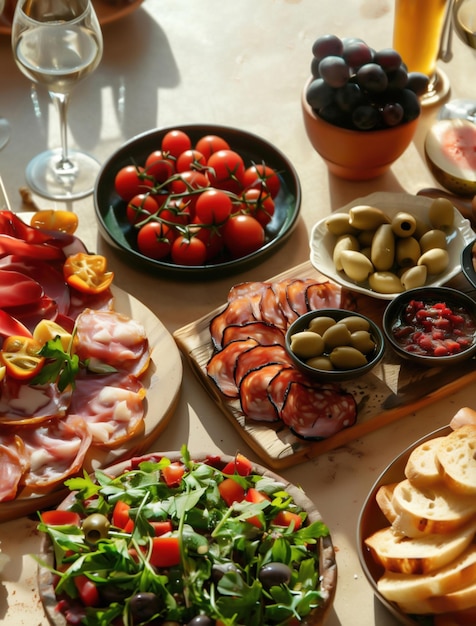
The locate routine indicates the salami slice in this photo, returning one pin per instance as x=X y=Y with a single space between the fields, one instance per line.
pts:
x=264 y=333
x=296 y=294
x=246 y=289
x=257 y=357
x=270 y=311
x=278 y=386
x=238 y=311
x=323 y=295
x=221 y=367
x=254 y=399
x=317 y=413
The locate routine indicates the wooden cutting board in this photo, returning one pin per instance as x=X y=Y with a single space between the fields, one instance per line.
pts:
x=382 y=395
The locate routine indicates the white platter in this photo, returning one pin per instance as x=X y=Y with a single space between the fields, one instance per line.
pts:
x=322 y=242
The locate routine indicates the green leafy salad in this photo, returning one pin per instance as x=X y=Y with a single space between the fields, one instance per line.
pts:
x=177 y=542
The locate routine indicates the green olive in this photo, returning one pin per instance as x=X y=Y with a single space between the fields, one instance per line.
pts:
x=404 y=224
x=337 y=335
x=385 y=282
x=434 y=238
x=365 y=238
x=421 y=228
x=306 y=344
x=95 y=527
x=407 y=252
x=414 y=277
x=355 y=323
x=436 y=260
x=345 y=242
x=362 y=340
x=320 y=363
x=382 y=252
x=320 y=324
x=366 y=217
x=356 y=265
x=347 y=357
x=441 y=214
x=338 y=224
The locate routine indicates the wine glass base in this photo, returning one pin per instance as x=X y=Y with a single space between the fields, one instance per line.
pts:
x=46 y=177
x=458 y=109
x=4 y=132
x=438 y=89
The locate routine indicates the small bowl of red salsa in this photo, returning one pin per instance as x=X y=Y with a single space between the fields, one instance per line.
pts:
x=432 y=325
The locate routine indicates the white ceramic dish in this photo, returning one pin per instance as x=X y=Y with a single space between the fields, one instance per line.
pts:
x=322 y=242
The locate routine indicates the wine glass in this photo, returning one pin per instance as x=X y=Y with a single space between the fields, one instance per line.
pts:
x=58 y=43
x=464 y=24
x=4 y=124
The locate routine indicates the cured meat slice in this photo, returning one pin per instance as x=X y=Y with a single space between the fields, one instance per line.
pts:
x=257 y=357
x=30 y=315
x=323 y=295
x=114 y=339
x=278 y=386
x=238 y=311
x=254 y=398
x=280 y=288
x=13 y=464
x=55 y=451
x=21 y=403
x=296 y=294
x=317 y=413
x=246 y=289
x=112 y=406
x=221 y=367
x=264 y=333
x=270 y=311
x=103 y=301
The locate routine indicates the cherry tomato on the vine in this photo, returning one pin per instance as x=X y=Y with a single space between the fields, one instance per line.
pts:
x=259 y=175
x=188 y=251
x=190 y=160
x=243 y=235
x=213 y=206
x=211 y=236
x=132 y=180
x=155 y=239
x=209 y=144
x=159 y=166
x=259 y=204
x=175 y=142
x=225 y=170
x=140 y=207
x=174 y=212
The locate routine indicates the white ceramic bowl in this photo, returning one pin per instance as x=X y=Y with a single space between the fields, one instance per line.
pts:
x=322 y=242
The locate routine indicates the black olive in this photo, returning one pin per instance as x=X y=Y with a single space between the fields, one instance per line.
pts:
x=220 y=569
x=95 y=527
x=201 y=620
x=144 y=605
x=113 y=593
x=275 y=574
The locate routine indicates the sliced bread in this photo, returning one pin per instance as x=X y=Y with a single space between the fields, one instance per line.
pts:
x=460 y=600
x=412 y=587
x=383 y=497
x=422 y=468
x=462 y=417
x=435 y=509
x=397 y=553
x=457 y=459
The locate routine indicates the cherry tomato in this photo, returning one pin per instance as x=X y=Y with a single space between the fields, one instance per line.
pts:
x=261 y=175
x=225 y=170
x=231 y=491
x=190 y=160
x=165 y=551
x=140 y=207
x=175 y=142
x=173 y=473
x=174 y=212
x=243 y=235
x=189 y=251
x=21 y=357
x=59 y=517
x=240 y=464
x=213 y=206
x=55 y=219
x=259 y=204
x=286 y=518
x=209 y=144
x=155 y=239
x=211 y=237
x=187 y=185
x=87 y=272
x=121 y=518
x=87 y=590
x=159 y=166
x=131 y=180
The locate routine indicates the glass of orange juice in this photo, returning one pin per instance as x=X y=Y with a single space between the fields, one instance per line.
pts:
x=417 y=34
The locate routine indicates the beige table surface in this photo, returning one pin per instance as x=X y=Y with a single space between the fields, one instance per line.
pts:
x=242 y=64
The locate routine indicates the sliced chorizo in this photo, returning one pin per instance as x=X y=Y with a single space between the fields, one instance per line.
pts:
x=254 y=398
x=264 y=333
x=238 y=311
x=221 y=366
x=257 y=357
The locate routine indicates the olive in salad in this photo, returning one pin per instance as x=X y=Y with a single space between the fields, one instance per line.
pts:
x=172 y=541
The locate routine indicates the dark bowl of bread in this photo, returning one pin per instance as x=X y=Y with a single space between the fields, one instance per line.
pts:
x=416 y=533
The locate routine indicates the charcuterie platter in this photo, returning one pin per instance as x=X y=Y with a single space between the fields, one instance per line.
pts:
x=390 y=391
x=119 y=400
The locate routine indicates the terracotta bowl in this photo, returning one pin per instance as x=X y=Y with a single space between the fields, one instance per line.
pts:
x=352 y=154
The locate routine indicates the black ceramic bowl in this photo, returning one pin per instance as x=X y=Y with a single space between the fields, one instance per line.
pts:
x=468 y=262
x=336 y=374
x=398 y=326
x=116 y=230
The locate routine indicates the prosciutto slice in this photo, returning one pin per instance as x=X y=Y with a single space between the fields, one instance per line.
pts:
x=13 y=465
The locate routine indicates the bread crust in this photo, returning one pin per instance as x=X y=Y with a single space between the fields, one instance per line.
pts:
x=456 y=457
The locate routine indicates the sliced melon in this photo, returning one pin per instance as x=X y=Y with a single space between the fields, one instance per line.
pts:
x=450 y=150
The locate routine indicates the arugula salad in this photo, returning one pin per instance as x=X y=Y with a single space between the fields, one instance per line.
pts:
x=177 y=542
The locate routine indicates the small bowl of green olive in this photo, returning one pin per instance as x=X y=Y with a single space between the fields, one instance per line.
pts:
x=334 y=344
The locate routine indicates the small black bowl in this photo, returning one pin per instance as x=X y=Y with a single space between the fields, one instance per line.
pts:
x=454 y=299
x=336 y=375
x=468 y=262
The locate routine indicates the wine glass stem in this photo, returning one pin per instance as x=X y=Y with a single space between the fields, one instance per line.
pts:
x=61 y=102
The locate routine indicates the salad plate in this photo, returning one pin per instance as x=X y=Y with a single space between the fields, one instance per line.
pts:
x=118 y=232
x=322 y=242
